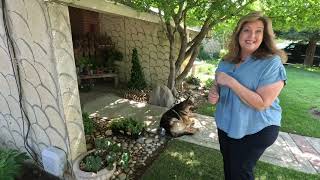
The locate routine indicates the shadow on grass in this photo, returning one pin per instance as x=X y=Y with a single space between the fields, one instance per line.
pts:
x=184 y=161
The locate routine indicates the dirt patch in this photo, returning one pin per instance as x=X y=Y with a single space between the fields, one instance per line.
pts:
x=315 y=112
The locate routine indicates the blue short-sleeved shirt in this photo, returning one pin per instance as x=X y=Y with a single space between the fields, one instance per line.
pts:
x=235 y=117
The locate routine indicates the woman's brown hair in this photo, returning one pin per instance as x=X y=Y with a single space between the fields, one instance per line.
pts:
x=267 y=47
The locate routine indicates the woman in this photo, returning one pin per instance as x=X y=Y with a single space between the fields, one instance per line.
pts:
x=248 y=82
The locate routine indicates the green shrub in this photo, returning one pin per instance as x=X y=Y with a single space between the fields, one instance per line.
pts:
x=206 y=68
x=127 y=126
x=11 y=163
x=87 y=123
x=137 y=80
x=193 y=80
x=209 y=83
x=214 y=61
x=203 y=55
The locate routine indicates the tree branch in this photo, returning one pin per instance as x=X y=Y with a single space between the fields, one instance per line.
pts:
x=188 y=67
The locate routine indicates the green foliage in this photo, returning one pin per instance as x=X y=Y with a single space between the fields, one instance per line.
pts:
x=193 y=80
x=206 y=108
x=87 y=123
x=84 y=62
x=107 y=153
x=209 y=83
x=137 y=80
x=93 y=163
x=11 y=163
x=127 y=126
x=294 y=35
x=203 y=55
x=205 y=68
x=114 y=55
x=301 y=15
x=214 y=61
x=111 y=56
x=180 y=14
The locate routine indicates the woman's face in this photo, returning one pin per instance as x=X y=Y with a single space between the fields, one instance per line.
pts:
x=251 y=36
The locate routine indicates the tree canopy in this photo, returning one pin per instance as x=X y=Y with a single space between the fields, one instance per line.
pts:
x=176 y=15
x=297 y=20
x=292 y=19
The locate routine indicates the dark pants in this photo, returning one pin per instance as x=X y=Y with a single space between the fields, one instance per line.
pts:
x=240 y=155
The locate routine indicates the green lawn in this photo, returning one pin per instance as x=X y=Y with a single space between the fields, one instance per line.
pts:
x=301 y=94
x=184 y=161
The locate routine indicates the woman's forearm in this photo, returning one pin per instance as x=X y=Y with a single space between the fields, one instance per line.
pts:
x=248 y=96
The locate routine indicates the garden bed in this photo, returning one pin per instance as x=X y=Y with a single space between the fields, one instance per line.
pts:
x=142 y=151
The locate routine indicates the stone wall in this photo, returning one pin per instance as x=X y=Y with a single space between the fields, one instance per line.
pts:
x=147 y=37
x=42 y=42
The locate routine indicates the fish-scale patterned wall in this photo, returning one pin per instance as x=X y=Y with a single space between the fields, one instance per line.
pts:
x=42 y=40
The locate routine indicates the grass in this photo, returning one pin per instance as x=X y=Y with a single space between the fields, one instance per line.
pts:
x=184 y=161
x=206 y=109
x=300 y=95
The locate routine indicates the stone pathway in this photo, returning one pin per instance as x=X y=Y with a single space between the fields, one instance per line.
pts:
x=290 y=150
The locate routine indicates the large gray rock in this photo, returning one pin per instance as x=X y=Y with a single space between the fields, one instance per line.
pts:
x=161 y=95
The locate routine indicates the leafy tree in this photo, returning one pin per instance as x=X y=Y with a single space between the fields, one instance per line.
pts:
x=312 y=37
x=175 y=15
x=137 y=80
x=299 y=18
x=292 y=19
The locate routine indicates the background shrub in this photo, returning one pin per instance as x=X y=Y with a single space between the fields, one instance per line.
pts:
x=203 y=55
x=137 y=80
x=209 y=83
x=193 y=80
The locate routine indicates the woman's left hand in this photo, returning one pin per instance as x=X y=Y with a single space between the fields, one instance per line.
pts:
x=224 y=79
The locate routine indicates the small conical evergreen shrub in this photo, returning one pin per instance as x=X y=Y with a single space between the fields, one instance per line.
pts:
x=137 y=80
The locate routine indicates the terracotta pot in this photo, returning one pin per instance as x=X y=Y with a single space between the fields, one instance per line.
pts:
x=103 y=174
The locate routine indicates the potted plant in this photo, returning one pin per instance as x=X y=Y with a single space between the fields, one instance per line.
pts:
x=112 y=56
x=101 y=162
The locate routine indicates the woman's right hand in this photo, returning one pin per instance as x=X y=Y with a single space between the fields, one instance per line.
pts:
x=213 y=96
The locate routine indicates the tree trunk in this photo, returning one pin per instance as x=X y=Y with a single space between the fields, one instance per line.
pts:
x=311 y=49
x=186 y=70
x=172 y=73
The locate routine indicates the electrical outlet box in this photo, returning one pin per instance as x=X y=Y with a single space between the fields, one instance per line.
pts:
x=54 y=161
